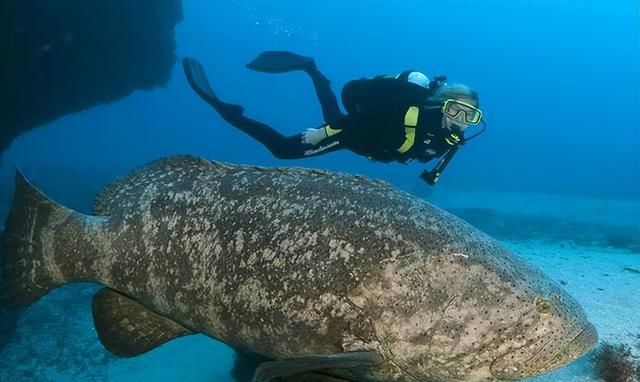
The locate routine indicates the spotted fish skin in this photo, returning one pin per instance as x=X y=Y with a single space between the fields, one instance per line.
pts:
x=286 y=262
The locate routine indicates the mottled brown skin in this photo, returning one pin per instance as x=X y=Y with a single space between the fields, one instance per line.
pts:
x=288 y=262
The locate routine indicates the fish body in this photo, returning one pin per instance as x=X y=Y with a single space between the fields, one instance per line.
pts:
x=291 y=262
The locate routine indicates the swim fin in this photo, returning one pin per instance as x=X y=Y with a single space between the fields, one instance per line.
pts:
x=199 y=82
x=281 y=62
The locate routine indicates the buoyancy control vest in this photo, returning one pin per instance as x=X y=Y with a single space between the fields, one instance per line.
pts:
x=382 y=95
x=383 y=105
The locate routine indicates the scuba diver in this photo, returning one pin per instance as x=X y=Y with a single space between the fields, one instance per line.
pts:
x=401 y=118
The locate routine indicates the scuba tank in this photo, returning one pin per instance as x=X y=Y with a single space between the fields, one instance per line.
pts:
x=382 y=94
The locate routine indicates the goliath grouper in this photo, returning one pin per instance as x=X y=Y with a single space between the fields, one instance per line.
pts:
x=336 y=275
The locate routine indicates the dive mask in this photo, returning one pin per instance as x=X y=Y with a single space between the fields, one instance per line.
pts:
x=452 y=108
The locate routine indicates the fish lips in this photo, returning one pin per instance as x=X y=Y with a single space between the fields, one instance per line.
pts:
x=509 y=367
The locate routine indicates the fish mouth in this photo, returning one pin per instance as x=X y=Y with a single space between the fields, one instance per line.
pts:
x=509 y=367
x=586 y=340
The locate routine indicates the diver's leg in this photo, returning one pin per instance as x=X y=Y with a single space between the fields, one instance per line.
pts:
x=284 y=62
x=328 y=101
x=283 y=147
x=280 y=146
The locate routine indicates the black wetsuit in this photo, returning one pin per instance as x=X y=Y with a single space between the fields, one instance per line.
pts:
x=374 y=126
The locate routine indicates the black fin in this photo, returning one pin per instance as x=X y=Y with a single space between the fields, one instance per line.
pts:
x=312 y=377
x=245 y=365
x=199 y=82
x=273 y=369
x=281 y=62
x=127 y=328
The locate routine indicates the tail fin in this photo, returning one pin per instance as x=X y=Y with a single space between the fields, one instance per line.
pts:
x=26 y=267
x=8 y=316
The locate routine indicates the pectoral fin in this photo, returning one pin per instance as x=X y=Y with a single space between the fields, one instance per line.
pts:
x=273 y=369
x=127 y=328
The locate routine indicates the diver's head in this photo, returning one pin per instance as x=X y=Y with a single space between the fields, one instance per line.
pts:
x=460 y=106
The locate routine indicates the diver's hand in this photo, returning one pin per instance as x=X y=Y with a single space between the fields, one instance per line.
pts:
x=314 y=136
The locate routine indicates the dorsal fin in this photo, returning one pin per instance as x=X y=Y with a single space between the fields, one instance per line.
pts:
x=137 y=180
x=168 y=171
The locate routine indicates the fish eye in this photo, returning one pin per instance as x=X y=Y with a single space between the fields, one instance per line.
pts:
x=543 y=306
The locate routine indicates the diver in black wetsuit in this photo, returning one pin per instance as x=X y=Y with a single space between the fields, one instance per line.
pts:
x=400 y=118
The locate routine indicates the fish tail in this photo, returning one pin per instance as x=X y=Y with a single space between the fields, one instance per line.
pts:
x=28 y=253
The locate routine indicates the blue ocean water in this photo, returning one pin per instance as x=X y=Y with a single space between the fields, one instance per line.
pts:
x=559 y=83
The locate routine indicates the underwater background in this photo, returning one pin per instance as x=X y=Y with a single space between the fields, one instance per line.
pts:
x=556 y=176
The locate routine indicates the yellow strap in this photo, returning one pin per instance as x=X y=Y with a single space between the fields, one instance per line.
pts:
x=411 y=117
x=410 y=123
x=410 y=137
x=329 y=131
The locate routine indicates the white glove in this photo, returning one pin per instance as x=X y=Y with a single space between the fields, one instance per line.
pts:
x=314 y=136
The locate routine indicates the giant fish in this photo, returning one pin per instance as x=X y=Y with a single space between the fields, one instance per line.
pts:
x=331 y=274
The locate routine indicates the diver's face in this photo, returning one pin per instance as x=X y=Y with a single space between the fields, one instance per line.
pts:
x=457 y=123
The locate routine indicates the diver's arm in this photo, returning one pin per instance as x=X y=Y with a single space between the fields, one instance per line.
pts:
x=432 y=177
